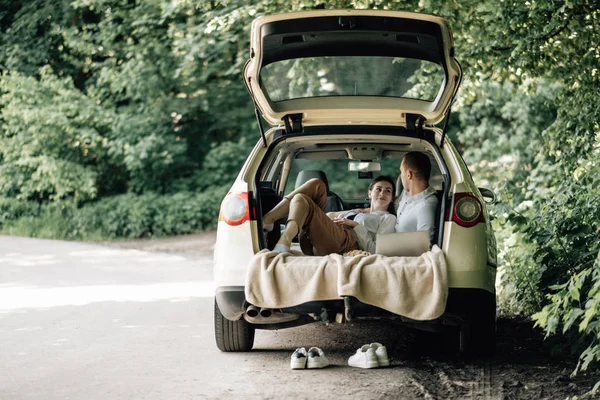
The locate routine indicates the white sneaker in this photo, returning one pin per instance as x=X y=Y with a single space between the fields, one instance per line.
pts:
x=365 y=357
x=281 y=248
x=316 y=358
x=381 y=353
x=298 y=360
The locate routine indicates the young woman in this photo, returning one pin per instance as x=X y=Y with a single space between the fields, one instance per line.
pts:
x=332 y=232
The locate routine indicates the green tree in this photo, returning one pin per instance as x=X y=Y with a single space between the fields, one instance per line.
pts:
x=124 y=100
x=558 y=225
x=52 y=138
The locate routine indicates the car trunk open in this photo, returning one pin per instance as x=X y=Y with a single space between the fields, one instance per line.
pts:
x=352 y=66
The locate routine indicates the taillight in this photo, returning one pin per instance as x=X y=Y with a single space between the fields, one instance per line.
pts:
x=234 y=209
x=467 y=210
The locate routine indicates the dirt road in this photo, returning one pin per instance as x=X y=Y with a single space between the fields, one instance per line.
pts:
x=522 y=369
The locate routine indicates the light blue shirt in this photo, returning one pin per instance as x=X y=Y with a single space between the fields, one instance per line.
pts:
x=417 y=213
x=370 y=225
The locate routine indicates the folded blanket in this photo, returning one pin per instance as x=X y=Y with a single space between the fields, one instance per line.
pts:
x=414 y=287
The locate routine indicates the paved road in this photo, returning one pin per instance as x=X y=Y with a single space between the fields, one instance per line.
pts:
x=87 y=321
x=82 y=321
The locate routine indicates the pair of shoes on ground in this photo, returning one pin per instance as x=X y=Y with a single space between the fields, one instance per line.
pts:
x=372 y=355
x=313 y=358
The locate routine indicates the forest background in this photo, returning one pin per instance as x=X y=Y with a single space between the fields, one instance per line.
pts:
x=125 y=118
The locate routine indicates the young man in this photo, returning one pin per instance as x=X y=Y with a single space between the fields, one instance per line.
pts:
x=418 y=201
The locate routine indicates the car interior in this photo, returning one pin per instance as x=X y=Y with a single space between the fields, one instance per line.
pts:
x=296 y=160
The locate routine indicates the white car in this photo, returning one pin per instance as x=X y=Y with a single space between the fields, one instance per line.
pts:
x=359 y=88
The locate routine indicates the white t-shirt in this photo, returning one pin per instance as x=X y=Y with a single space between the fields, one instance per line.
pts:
x=417 y=213
x=370 y=225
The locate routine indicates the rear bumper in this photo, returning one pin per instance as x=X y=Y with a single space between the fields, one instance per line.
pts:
x=231 y=301
x=460 y=304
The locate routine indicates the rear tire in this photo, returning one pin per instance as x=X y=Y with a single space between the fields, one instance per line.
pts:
x=233 y=336
x=478 y=337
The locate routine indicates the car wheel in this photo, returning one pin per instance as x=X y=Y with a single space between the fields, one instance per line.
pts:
x=439 y=343
x=232 y=336
x=478 y=336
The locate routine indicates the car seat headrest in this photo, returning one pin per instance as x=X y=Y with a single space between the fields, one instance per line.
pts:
x=399 y=187
x=306 y=175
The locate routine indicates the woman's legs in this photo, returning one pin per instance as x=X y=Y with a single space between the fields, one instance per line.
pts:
x=297 y=206
x=305 y=209
x=325 y=235
x=313 y=188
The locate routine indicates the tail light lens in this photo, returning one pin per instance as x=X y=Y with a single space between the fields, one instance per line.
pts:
x=234 y=209
x=467 y=210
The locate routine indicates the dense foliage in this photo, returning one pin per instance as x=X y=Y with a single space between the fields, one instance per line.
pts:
x=123 y=117
x=551 y=213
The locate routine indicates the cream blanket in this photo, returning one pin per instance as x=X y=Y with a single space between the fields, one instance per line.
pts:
x=414 y=287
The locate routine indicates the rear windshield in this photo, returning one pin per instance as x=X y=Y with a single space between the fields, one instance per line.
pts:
x=352 y=76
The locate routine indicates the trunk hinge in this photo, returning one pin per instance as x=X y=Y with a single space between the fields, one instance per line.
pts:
x=293 y=123
x=445 y=128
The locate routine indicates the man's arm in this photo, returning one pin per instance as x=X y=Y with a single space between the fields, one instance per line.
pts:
x=426 y=217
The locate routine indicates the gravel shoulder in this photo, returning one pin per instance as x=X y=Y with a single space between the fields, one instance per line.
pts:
x=524 y=367
x=192 y=246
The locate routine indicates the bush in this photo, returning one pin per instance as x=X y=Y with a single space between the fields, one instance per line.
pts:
x=150 y=215
x=575 y=306
x=12 y=209
x=569 y=258
x=123 y=216
x=222 y=164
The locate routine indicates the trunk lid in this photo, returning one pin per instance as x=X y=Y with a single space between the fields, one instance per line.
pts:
x=352 y=67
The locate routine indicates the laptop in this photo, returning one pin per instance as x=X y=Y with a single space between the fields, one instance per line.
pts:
x=407 y=244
